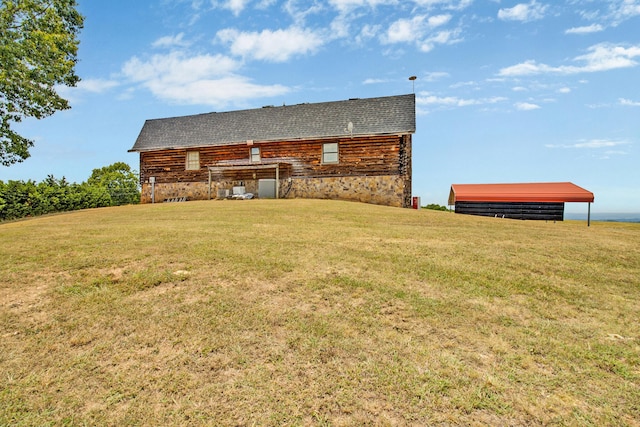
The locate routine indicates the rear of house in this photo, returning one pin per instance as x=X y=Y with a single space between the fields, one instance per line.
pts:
x=359 y=149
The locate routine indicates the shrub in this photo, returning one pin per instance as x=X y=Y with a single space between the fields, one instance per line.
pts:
x=436 y=207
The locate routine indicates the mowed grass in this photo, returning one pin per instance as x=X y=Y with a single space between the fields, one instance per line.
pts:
x=303 y=312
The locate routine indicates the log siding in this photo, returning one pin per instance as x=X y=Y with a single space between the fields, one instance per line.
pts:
x=371 y=156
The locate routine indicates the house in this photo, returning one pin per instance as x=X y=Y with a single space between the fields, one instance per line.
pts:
x=358 y=149
x=541 y=201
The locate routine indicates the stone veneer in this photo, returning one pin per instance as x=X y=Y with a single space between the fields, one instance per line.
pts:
x=190 y=190
x=379 y=190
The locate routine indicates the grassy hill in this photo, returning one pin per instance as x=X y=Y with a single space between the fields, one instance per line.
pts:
x=302 y=312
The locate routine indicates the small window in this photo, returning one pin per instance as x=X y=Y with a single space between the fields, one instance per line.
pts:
x=330 y=152
x=255 y=154
x=193 y=160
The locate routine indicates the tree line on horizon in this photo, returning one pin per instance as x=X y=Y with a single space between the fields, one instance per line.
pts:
x=112 y=185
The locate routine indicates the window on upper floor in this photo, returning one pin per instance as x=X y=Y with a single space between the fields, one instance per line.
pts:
x=255 y=154
x=330 y=152
x=193 y=161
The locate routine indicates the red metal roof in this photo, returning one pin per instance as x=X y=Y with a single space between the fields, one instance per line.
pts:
x=526 y=192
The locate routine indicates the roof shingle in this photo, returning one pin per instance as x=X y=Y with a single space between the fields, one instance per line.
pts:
x=370 y=116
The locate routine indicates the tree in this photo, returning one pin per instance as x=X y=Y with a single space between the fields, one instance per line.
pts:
x=119 y=180
x=38 y=50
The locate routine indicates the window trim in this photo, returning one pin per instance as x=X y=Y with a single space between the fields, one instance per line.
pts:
x=190 y=163
x=325 y=153
x=252 y=154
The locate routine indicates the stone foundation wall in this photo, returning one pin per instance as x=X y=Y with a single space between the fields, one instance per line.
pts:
x=379 y=190
x=190 y=190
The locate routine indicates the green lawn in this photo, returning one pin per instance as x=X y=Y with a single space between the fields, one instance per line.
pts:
x=306 y=312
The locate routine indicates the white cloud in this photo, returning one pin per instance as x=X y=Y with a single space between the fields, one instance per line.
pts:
x=419 y=30
x=452 y=101
x=458 y=85
x=446 y=4
x=564 y=90
x=524 y=12
x=628 y=102
x=96 y=85
x=600 y=57
x=374 y=81
x=367 y=32
x=616 y=152
x=598 y=143
x=435 y=75
x=623 y=10
x=236 y=6
x=170 y=41
x=406 y=30
x=526 y=106
x=200 y=79
x=438 y=20
x=340 y=27
x=593 y=143
x=441 y=37
x=274 y=46
x=217 y=92
x=618 y=12
x=347 y=5
x=299 y=10
x=605 y=56
x=414 y=29
x=593 y=28
x=177 y=67
x=264 y=4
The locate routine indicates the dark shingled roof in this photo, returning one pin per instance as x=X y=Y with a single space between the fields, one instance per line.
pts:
x=370 y=116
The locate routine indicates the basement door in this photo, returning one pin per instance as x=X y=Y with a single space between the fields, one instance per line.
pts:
x=267 y=188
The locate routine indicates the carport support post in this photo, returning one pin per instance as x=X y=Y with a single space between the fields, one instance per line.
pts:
x=589 y=214
x=209 y=184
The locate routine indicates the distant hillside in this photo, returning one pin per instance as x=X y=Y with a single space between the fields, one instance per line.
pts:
x=608 y=217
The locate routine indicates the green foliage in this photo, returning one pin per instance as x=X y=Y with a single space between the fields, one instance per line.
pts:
x=436 y=207
x=38 y=50
x=20 y=199
x=108 y=186
x=120 y=182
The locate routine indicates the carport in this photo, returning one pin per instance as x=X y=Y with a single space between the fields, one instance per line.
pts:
x=536 y=201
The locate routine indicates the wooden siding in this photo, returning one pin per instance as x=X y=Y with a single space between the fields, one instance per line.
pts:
x=358 y=156
x=516 y=210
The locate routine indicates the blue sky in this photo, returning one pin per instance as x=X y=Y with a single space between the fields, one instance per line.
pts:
x=506 y=91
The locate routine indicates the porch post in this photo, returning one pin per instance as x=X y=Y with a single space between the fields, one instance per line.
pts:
x=277 y=181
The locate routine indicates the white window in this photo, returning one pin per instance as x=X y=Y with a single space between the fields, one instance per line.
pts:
x=255 y=154
x=193 y=161
x=330 y=152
